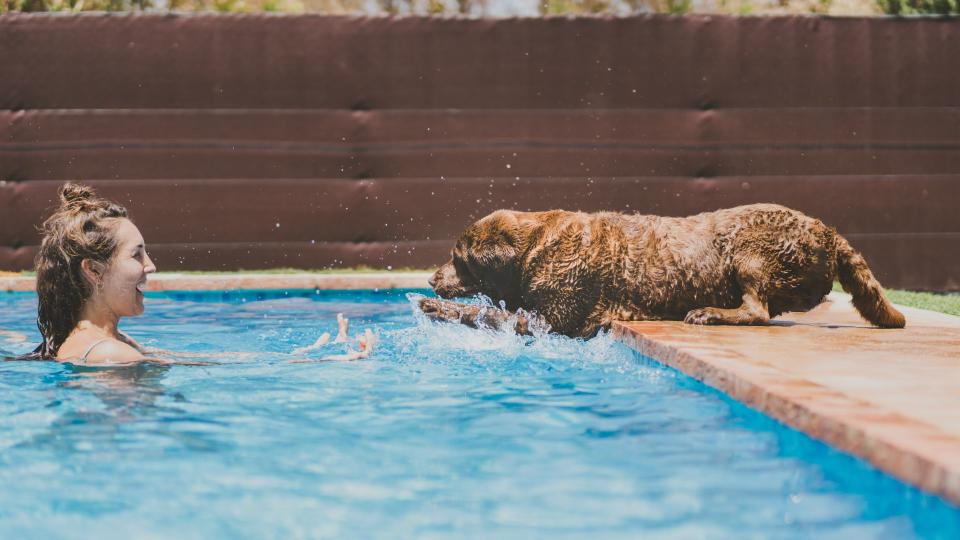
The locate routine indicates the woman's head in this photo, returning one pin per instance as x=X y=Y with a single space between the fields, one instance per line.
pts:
x=91 y=258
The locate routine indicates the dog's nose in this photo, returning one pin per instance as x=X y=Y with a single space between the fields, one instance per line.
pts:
x=432 y=281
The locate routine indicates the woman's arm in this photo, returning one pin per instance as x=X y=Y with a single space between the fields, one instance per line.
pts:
x=13 y=337
x=154 y=352
x=118 y=353
x=134 y=352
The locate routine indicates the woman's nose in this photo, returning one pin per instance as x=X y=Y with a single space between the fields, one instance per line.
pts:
x=149 y=267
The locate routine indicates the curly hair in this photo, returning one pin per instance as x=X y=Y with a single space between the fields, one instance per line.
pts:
x=81 y=228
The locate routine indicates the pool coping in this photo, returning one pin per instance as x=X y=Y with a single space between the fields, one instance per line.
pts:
x=823 y=404
x=170 y=281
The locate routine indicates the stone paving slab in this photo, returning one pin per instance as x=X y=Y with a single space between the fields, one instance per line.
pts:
x=891 y=397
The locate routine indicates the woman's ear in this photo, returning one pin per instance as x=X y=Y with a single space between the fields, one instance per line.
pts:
x=92 y=271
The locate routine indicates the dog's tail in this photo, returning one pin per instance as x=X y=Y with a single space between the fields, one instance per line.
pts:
x=857 y=279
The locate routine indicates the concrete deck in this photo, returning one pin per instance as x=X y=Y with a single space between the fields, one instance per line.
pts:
x=891 y=397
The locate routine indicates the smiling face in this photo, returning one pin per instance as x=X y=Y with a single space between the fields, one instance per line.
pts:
x=124 y=279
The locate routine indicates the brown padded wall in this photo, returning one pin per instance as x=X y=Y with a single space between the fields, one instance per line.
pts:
x=407 y=209
x=230 y=224
x=310 y=61
x=303 y=144
x=310 y=141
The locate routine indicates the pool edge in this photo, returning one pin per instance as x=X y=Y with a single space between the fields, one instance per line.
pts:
x=207 y=282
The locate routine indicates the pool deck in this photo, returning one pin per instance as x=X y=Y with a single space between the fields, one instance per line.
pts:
x=891 y=397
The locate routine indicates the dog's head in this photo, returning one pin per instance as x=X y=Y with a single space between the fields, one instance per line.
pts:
x=484 y=260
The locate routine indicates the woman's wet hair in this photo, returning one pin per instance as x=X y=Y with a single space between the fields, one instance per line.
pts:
x=82 y=227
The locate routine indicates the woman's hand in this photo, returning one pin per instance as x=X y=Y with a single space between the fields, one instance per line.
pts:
x=365 y=342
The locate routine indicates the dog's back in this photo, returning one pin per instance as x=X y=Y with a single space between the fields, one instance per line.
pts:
x=608 y=266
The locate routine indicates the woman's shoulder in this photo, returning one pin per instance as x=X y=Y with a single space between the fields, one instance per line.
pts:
x=113 y=351
x=102 y=350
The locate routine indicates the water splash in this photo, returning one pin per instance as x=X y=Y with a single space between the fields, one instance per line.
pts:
x=430 y=339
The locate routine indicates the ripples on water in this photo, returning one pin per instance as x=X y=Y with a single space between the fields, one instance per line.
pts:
x=445 y=432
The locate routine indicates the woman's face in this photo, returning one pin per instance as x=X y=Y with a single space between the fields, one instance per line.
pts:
x=125 y=279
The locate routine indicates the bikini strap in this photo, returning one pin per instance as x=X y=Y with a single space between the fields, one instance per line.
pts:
x=90 y=348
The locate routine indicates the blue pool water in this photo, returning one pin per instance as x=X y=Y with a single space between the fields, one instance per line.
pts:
x=445 y=432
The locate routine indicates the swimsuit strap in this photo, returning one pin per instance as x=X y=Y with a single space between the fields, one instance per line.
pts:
x=90 y=348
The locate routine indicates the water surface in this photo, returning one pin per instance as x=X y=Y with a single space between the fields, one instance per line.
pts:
x=445 y=432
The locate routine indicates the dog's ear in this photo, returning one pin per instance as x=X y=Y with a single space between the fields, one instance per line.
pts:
x=493 y=250
x=493 y=243
x=493 y=253
x=493 y=264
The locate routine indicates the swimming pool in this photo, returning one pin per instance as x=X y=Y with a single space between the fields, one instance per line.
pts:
x=444 y=432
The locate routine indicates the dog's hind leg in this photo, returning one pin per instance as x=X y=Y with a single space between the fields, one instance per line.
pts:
x=753 y=310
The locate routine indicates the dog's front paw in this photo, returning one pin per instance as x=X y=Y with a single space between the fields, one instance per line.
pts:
x=704 y=316
x=440 y=310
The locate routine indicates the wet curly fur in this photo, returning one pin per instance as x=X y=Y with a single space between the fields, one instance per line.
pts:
x=580 y=271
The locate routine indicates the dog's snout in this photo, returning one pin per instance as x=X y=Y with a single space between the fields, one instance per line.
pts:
x=432 y=280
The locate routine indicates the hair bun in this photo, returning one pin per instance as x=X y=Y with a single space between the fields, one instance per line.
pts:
x=76 y=194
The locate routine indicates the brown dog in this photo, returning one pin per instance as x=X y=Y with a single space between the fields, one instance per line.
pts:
x=579 y=272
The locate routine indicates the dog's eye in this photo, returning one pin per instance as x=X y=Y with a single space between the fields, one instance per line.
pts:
x=461 y=267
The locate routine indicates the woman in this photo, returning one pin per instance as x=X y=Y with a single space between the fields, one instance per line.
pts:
x=92 y=270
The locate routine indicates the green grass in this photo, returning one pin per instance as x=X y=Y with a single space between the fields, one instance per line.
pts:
x=942 y=302
x=948 y=303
